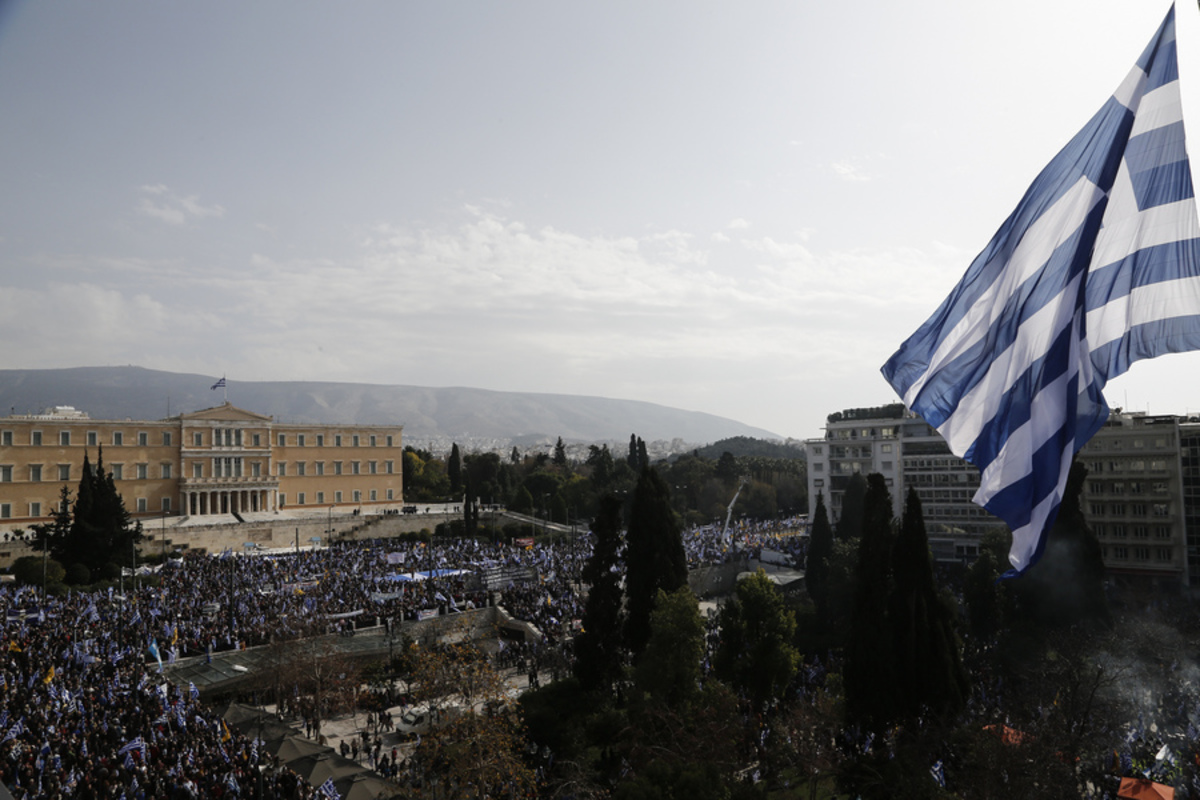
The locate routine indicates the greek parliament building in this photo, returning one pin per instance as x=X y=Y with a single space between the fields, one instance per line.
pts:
x=1141 y=498
x=221 y=461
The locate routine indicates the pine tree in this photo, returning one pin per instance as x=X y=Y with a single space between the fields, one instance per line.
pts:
x=868 y=674
x=820 y=549
x=926 y=664
x=560 y=453
x=654 y=555
x=599 y=649
x=632 y=458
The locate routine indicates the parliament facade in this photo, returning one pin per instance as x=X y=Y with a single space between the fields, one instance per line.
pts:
x=218 y=462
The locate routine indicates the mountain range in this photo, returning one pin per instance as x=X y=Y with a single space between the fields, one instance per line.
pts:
x=476 y=418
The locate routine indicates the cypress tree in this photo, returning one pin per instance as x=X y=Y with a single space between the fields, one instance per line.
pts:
x=816 y=568
x=599 y=649
x=560 y=453
x=868 y=673
x=454 y=471
x=1066 y=587
x=654 y=556
x=927 y=667
x=102 y=532
x=850 y=523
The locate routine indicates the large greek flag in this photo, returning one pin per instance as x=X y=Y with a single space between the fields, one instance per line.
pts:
x=1099 y=266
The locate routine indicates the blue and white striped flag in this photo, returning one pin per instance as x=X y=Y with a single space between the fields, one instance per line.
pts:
x=1098 y=267
x=136 y=743
x=329 y=790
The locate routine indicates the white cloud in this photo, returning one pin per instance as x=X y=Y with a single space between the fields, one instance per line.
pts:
x=738 y=224
x=493 y=302
x=850 y=171
x=161 y=203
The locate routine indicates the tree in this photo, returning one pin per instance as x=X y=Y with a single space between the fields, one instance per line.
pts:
x=470 y=508
x=522 y=501
x=756 y=654
x=926 y=664
x=632 y=457
x=515 y=455
x=454 y=471
x=820 y=549
x=601 y=462
x=850 y=523
x=558 y=508
x=560 y=453
x=31 y=570
x=654 y=556
x=727 y=468
x=477 y=740
x=1066 y=587
x=669 y=669
x=868 y=674
x=599 y=649
x=984 y=597
x=99 y=532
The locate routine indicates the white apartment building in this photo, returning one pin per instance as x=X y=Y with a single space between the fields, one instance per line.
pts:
x=907 y=452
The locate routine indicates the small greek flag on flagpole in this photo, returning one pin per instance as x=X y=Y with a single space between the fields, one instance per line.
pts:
x=1098 y=267
x=220 y=384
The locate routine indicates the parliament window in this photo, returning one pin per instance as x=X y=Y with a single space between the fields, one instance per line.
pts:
x=64 y=440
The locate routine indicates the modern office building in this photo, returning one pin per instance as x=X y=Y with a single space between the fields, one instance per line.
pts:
x=1141 y=498
x=907 y=452
x=222 y=461
x=1136 y=499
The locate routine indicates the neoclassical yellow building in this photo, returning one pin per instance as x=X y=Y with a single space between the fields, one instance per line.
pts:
x=222 y=461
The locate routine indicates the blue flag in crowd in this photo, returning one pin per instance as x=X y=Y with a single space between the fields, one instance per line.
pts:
x=329 y=790
x=1098 y=267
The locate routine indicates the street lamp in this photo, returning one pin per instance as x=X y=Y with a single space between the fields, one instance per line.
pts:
x=329 y=523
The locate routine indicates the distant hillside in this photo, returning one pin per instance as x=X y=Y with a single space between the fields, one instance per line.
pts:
x=473 y=417
x=747 y=447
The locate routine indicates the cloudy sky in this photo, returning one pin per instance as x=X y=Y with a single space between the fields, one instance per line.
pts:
x=736 y=208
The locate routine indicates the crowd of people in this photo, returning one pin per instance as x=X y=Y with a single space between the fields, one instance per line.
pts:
x=85 y=711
